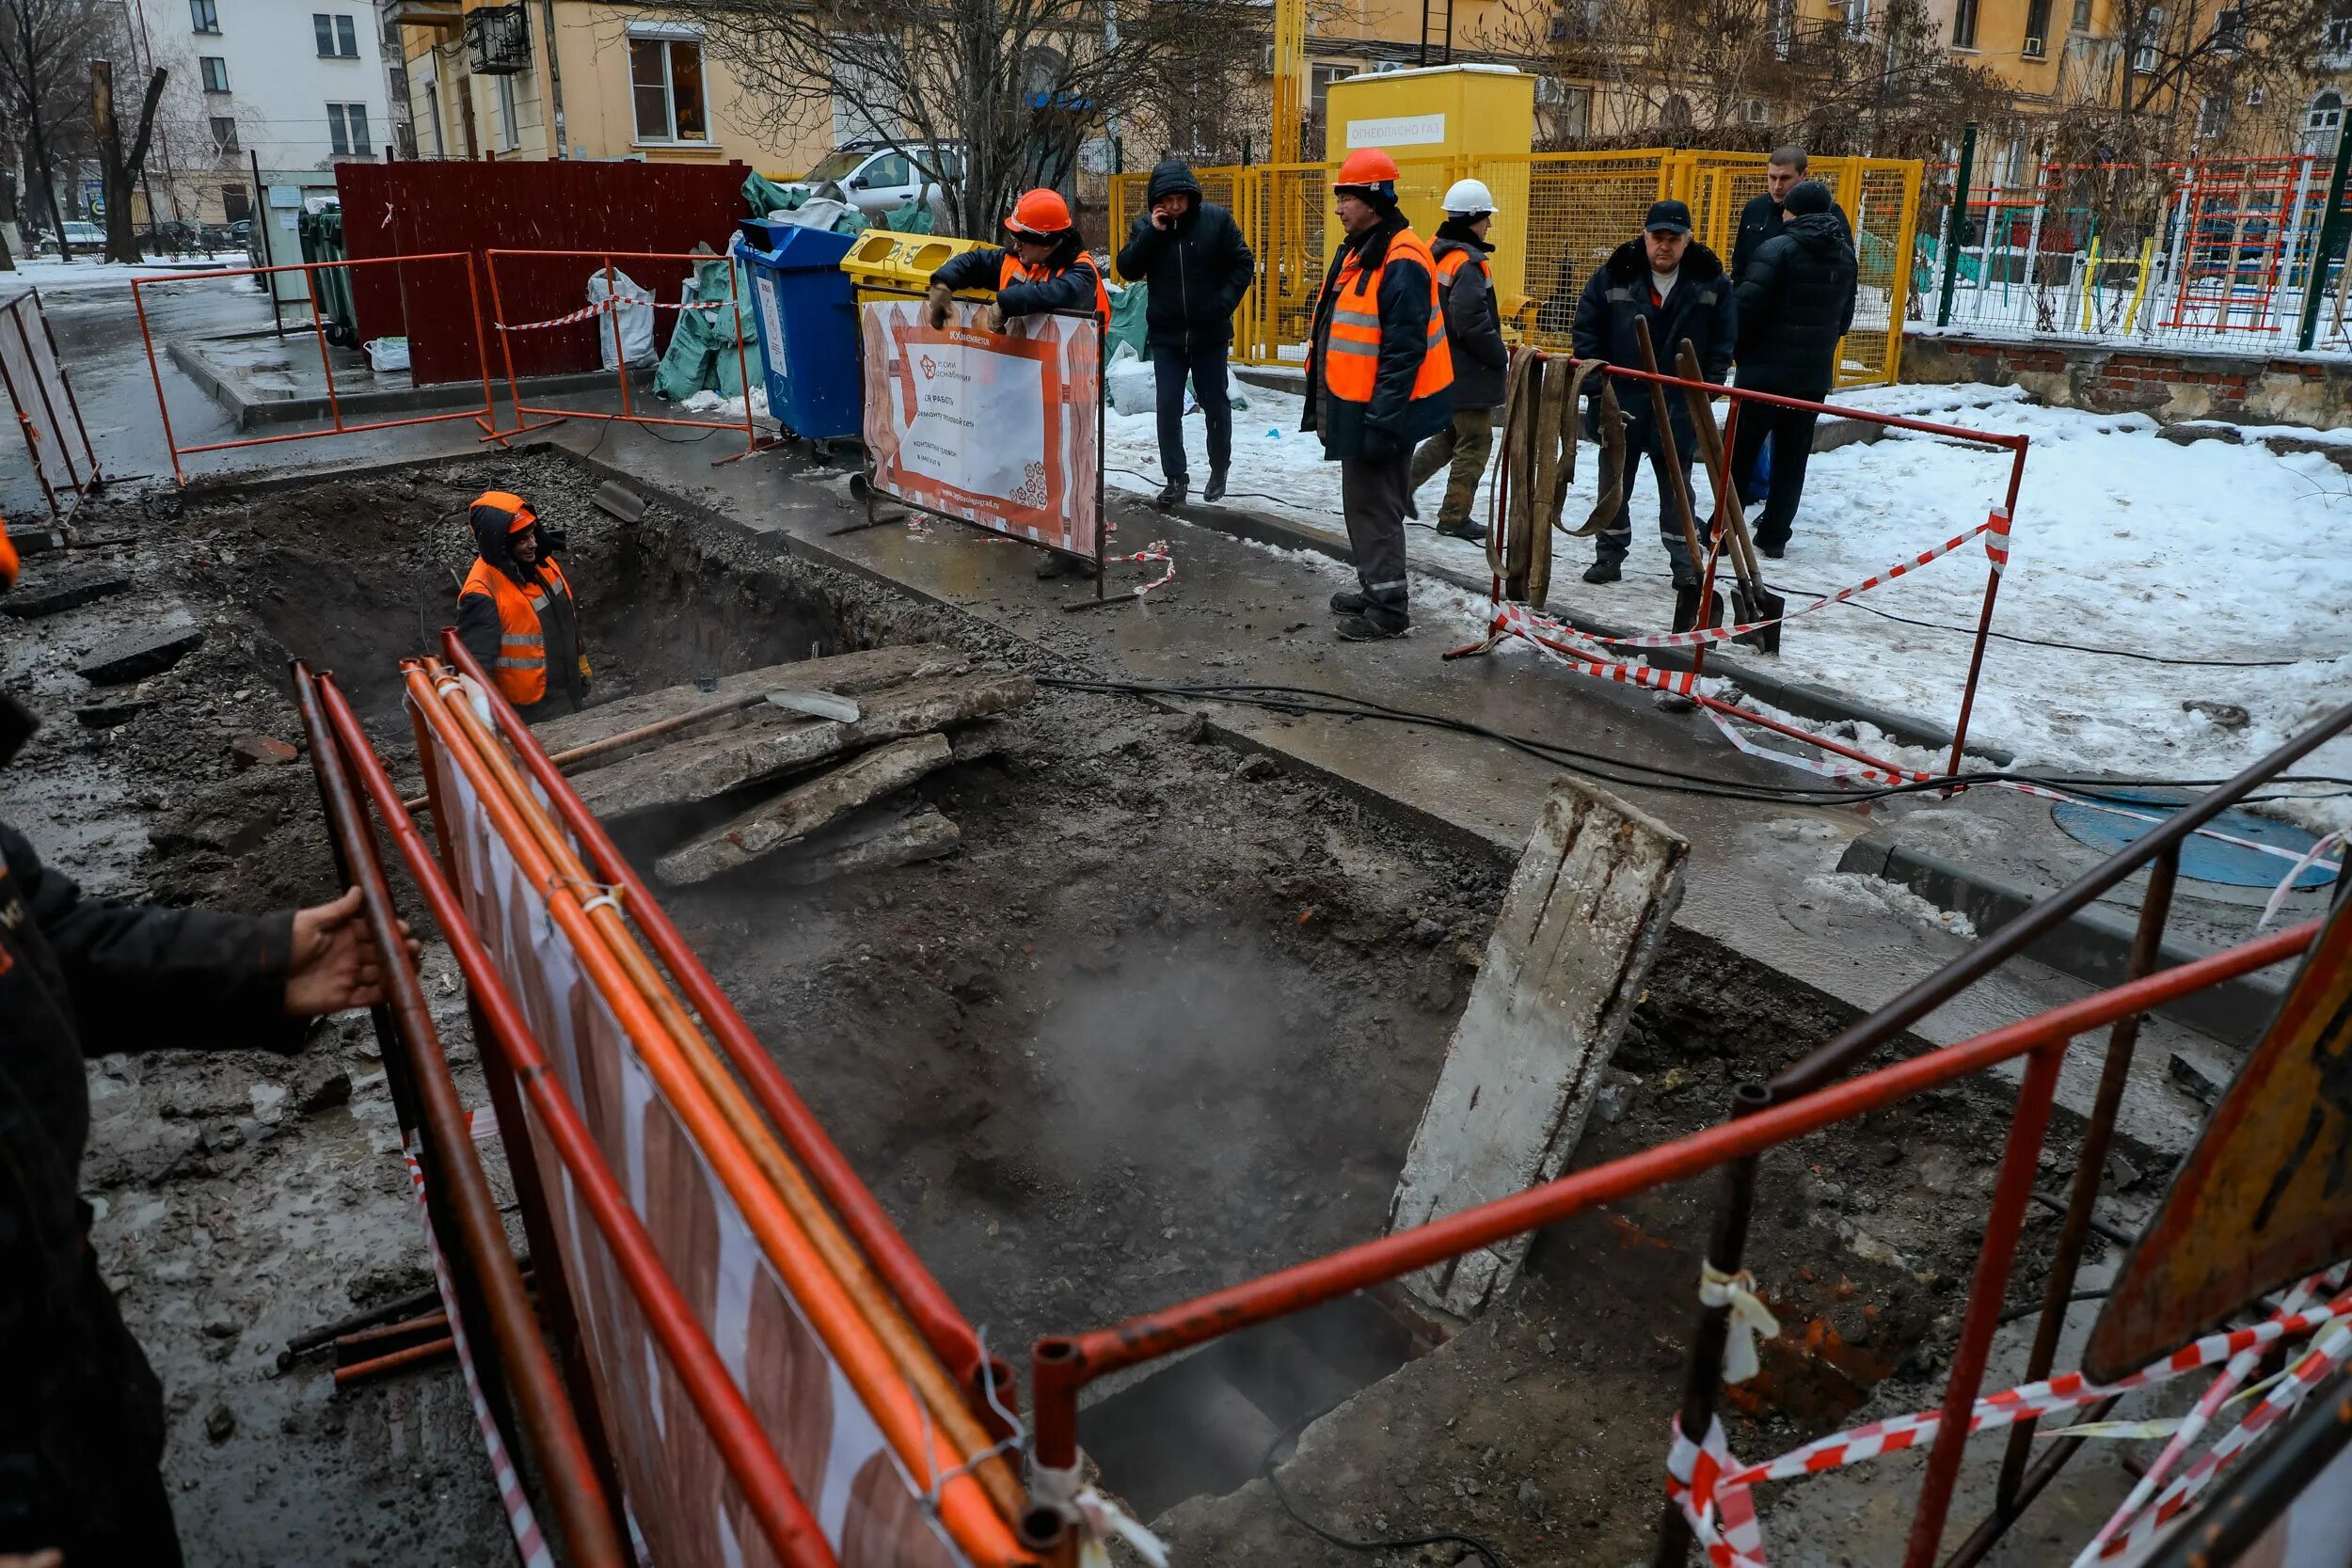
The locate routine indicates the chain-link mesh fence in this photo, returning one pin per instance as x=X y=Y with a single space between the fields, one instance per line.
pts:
x=1572 y=210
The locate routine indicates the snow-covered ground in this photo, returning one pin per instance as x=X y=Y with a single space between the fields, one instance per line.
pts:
x=51 y=276
x=2208 y=552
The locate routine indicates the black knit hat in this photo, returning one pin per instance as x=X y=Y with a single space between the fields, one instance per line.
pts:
x=1806 y=197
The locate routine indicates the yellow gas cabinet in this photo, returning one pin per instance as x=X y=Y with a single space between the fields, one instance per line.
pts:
x=1441 y=124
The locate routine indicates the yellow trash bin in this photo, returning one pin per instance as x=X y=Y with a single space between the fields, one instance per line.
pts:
x=887 y=265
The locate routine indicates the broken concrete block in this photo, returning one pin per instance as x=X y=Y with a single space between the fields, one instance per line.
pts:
x=1580 y=925
x=106 y=715
x=874 y=841
x=48 y=596
x=259 y=751
x=137 y=655
x=34 y=539
x=799 y=811
x=616 y=499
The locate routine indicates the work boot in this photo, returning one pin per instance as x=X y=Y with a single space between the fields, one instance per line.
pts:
x=1056 y=564
x=1602 y=571
x=1345 y=602
x=1374 y=624
x=1172 y=495
x=1474 y=532
x=1412 y=507
x=1215 y=490
x=1771 y=552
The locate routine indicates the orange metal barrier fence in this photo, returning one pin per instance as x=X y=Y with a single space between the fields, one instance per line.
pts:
x=484 y=415
x=41 y=396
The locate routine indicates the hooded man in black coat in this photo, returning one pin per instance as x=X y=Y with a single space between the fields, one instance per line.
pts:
x=1761 y=219
x=1795 y=304
x=1191 y=256
x=81 y=1412
x=1676 y=285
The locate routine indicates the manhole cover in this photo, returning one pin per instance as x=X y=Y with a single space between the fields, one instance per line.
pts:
x=2203 y=857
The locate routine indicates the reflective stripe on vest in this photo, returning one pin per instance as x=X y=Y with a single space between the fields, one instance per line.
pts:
x=1452 y=262
x=521 y=667
x=1015 y=271
x=1351 y=358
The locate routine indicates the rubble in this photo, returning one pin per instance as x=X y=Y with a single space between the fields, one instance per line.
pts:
x=48 y=595
x=137 y=655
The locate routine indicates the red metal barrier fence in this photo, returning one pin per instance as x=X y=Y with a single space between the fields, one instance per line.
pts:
x=42 y=406
x=450 y=262
x=408 y=208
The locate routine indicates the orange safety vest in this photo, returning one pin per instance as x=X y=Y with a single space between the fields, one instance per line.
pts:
x=1015 y=271
x=1351 y=357
x=522 y=670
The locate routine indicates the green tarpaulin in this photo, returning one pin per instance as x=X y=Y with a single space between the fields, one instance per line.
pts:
x=702 y=354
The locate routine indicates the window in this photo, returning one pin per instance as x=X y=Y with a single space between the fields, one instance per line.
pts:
x=1964 y=25
x=510 y=138
x=2082 y=16
x=2213 y=112
x=224 y=133
x=337 y=38
x=1857 y=18
x=1784 y=25
x=2151 y=28
x=347 y=130
x=888 y=172
x=2229 y=31
x=205 y=14
x=215 y=73
x=2321 y=123
x=2340 y=30
x=665 y=77
x=1319 y=80
x=2037 y=28
x=235 y=204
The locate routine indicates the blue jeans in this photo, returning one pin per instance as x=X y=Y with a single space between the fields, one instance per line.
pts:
x=1204 y=363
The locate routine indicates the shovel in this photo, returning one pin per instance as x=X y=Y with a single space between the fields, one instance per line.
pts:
x=1750 y=598
x=1692 y=602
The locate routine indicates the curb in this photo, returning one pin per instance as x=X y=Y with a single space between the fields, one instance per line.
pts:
x=254 y=413
x=2093 y=946
x=1797 y=697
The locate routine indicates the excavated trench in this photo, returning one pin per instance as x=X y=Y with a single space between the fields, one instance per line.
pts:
x=1166 y=1020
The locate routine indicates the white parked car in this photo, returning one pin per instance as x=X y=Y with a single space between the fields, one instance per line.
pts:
x=878 y=179
x=83 y=236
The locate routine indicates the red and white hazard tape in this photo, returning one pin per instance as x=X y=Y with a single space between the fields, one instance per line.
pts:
x=1994 y=530
x=1567 y=645
x=1156 y=550
x=1713 y=1489
x=530 y=1543
x=1822 y=769
x=600 y=307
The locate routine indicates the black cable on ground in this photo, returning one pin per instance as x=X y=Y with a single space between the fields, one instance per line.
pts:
x=1492 y=1555
x=1632 y=772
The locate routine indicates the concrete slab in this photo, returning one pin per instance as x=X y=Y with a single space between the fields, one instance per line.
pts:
x=137 y=655
x=50 y=594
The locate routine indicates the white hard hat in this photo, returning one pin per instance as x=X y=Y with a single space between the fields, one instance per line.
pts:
x=1470 y=197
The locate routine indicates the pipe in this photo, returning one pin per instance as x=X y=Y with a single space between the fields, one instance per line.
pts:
x=413 y=1356
x=951 y=1337
x=460 y=1190
x=767 y=1487
x=1858 y=1040
x=1064 y=1364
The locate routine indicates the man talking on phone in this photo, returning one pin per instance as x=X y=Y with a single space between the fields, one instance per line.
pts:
x=1191 y=256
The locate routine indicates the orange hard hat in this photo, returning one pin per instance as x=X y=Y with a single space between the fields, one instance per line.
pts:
x=1040 y=214
x=1366 y=166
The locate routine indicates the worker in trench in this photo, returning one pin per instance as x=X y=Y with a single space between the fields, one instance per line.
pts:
x=1379 y=378
x=516 y=615
x=1046 y=268
x=81 y=1412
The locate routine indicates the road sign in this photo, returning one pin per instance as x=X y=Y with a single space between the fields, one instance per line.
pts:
x=2265 y=1197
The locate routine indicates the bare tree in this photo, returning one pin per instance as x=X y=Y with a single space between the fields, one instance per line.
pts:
x=1012 y=86
x=119 y=168
x=44 y=45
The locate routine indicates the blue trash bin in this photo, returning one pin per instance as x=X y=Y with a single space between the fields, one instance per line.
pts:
x=808 y=337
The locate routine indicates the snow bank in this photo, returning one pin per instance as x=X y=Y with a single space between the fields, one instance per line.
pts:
x=2124 y=542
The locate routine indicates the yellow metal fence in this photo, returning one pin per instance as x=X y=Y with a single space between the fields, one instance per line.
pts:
x=1569 y=210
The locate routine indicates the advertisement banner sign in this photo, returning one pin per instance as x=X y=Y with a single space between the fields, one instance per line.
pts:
x=1001 y=429
x=682 y=1497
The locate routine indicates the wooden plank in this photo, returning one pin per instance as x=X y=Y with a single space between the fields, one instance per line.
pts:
x=872 y=840
x=771 y=743
x=1579 y=928
x=803 y=809
x=867 y=670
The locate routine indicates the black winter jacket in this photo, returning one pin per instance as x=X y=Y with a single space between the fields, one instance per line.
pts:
x=1395 y=418
x=1072 y=287
x=1198 y=271
x=1473 y=327
x=1795 y=303
x=1759 y=220
x=1700 y=308
x=80 y=1414
x=478 y=624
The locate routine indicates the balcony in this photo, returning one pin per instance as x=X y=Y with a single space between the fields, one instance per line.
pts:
x=498 y=40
